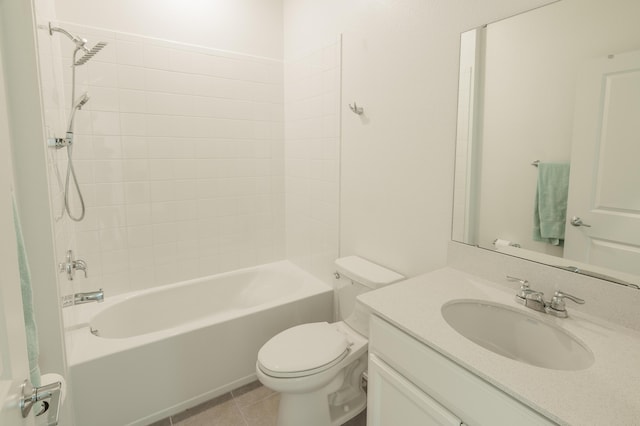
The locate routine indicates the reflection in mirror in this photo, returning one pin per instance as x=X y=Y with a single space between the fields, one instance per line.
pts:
x=549 y=137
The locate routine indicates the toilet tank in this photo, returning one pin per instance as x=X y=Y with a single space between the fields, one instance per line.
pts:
x=357 y=276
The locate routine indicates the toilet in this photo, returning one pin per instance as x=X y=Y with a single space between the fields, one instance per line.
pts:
x=318 y=367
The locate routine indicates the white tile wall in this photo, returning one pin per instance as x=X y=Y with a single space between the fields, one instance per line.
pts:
x=312 y=159
x=179 y=154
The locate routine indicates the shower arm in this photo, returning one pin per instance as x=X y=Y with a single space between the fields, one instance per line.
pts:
x=79 y=41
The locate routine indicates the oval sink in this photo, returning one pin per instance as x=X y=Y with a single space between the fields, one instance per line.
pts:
x=516 y=335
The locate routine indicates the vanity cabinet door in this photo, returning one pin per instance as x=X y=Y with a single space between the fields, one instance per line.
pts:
x=393 y=400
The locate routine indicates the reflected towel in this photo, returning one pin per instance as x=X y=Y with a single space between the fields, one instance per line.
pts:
x=33 y=350
x=550 y=206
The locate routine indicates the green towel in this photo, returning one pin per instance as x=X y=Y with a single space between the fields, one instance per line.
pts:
x=550 y=206
x=33 y=350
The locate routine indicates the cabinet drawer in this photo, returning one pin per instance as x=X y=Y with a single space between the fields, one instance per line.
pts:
x=463 y=393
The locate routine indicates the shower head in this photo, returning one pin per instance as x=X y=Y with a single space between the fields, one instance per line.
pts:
x=90 y=53
x=80 y=45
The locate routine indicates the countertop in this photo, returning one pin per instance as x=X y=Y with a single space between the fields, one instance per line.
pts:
x=606 y=393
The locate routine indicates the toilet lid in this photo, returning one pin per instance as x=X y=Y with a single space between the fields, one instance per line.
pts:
x=303 y=350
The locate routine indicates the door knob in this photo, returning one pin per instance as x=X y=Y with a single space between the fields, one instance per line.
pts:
x=576 y=221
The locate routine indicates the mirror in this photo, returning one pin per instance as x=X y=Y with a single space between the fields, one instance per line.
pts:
x=549 y=131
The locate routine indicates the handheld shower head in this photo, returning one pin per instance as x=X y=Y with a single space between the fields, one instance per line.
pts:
x=80 y=102
x=76 y=106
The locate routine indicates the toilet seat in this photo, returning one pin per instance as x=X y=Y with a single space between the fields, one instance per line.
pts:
x=303 y=350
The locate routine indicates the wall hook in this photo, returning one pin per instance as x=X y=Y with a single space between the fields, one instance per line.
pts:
x=356 y=109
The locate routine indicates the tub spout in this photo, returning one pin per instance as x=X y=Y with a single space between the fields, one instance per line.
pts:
x=92 y=296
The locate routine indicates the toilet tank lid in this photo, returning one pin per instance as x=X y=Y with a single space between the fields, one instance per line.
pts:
x=366 y=272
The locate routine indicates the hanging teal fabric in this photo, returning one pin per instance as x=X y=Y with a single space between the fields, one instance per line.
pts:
x=550 y=206
x=31 y=329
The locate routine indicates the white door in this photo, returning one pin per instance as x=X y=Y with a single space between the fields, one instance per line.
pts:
x=14 y=365
x=392 y=400
x=604 y=188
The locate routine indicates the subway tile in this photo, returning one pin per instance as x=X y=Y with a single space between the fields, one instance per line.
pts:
x=162 y=212
x=107 y=171
x=162 y=191
x=134 y=147
x=140 y=236
x=165 y=233
x=140 y=279
x=115 y=261
x=132 y=101
x=113 y=239
x=161 y=169
x=107 y=147
x=129 y=53
x=102 y=74
x=103 y=99
x=156 y=56
x=164 y=254
x=108 y=194
x=133 y=124
x=88 y=242
x=141 y=257
x=105 y=123
x=130 y=77
x=185 y=168
x=138 y=214
x=110 y=216
x=137 y=192
x=135 y=170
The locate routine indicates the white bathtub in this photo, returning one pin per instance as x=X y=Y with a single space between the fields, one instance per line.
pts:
x=160 y=351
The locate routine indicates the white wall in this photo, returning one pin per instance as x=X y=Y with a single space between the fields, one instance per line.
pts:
x=533 y=62
x=246 y=26
x=400 y=63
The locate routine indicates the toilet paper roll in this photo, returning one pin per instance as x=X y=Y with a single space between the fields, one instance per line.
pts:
x=49 y=378
x=500 y=243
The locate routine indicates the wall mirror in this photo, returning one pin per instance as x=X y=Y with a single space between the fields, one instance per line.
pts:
x=549 y=130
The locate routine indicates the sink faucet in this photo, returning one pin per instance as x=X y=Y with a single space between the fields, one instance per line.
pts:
x=80 y=298
x=533 y=299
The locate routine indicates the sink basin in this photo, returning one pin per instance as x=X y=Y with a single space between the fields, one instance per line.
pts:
x=516 y=335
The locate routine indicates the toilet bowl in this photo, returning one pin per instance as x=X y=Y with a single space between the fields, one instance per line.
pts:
x=318 y=367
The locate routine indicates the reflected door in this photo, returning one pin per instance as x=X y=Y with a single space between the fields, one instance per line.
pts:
x=604 y=190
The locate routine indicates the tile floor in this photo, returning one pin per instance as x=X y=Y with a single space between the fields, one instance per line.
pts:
x=250 y=405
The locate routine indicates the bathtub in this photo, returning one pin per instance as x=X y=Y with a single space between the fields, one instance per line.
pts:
x=140 y=357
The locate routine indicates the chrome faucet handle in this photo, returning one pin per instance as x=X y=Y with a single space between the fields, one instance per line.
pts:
x=557 y=307
x=524 y=287
x=557 y=302
x=80 y=265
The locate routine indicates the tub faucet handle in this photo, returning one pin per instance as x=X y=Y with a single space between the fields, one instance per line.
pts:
x=70 y=265
x=80 y=265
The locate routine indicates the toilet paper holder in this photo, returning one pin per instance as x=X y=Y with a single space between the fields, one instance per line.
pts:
x=49 y=397
x=505 y=243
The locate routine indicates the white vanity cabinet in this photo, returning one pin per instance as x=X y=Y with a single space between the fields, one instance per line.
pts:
x=411 y=384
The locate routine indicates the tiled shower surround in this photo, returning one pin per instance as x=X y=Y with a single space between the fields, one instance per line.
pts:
x=180 y=154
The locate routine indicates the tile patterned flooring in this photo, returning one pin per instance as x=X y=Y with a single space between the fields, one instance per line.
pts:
x=249 y=405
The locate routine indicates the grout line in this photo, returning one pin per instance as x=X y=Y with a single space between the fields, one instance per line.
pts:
x=242 y=416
